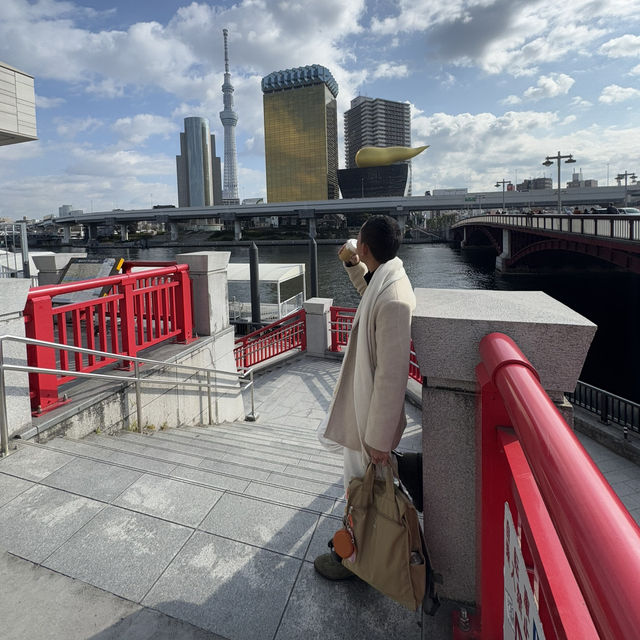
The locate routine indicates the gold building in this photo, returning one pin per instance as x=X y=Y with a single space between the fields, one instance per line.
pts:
x=301 y=134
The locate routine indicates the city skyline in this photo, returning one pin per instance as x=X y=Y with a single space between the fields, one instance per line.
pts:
x=494 y=87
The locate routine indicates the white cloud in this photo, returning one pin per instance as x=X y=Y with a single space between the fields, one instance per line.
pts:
x=614 y=93
x=70 y=128
x=109 y=163
x=390 y=70
x=43 y=102
x=635 y=71
x=511 y=100
x=626 y=46
x=142 y=126
x=555 y=84
x=578 y=102
x=569 y=120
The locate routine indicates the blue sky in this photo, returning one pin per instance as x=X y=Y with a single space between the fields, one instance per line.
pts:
x=495 y=86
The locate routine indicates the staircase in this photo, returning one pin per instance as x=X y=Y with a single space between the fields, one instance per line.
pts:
x=214 y=526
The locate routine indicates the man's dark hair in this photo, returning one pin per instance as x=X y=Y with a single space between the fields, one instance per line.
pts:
x=382 y=235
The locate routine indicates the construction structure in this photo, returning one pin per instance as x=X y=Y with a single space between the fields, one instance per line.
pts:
x=229 y=119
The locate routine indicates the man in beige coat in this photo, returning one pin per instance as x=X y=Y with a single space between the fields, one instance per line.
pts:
x=366 y=416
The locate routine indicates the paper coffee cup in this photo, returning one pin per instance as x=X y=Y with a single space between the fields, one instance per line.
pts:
x=348 y=250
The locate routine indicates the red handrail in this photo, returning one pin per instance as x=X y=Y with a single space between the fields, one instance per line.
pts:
x=599 y=537
x=276 y=338
x=140 y=310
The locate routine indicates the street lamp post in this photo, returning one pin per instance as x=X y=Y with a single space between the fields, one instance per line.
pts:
x=548 y=162
x=504 y=183
x=624 y=176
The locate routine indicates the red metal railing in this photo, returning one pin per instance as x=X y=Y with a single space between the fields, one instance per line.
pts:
x=276 y=338
x=579 y=543
x=341 y=319
x=139 y=310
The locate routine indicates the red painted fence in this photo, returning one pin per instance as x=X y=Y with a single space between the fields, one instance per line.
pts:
x=341 y=319
x=270 y=341
x=579 y=543
x=138 y=311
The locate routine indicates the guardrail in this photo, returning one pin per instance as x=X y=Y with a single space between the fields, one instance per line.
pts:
x=207 y=374
x=619 y=227
x=341 y=321
x=273 y=340
x=581 y=547
x=610 y=407
x=138 y=311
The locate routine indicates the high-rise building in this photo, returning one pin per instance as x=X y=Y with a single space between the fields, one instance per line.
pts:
x=229 y=119
x=199 y=180
x=374 y=122
x=301 y=134
x=534 y=184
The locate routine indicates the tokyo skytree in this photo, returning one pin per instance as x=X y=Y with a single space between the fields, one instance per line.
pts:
x=229 y=118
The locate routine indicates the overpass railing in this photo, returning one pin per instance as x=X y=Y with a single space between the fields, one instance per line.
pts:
x=341 y=321
x=619 y=227
x=576 y=546
x=138 y=310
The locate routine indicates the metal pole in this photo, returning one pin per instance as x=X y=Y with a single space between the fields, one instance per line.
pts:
x=254 y=275
x=313 y=266
x=209 y=397
x=136 y=369
x=252 y=417
x=4 y=426
x=559 y=196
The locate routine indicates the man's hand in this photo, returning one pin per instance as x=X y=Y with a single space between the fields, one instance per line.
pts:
x=378 y=457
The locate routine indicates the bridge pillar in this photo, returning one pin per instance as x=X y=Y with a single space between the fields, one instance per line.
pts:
x=465 y=241
x=92 y=233
x=402 y=223
x=173 y=231
x=237 y=230
x=506 y=251
x=124 y=232
x=447 y=328
x=66 y=234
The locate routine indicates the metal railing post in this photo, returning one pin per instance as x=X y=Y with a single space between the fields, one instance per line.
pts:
x=251 y=417
x=4 y=424
x=136 y=369
x=209 y=397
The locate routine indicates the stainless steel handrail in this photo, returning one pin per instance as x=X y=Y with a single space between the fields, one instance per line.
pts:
x=4 y=425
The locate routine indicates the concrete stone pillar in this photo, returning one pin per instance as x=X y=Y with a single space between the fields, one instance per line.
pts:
x=465 y=241
x=312 y=227
x=447 y=328
x=173 y=231
x=50 y=267
x=208 y=271
x=124 y=232
x=318 y=325
x=237 y=230
x=13 y=293
x=506 y=251
x=92 y=231
x=66 y=234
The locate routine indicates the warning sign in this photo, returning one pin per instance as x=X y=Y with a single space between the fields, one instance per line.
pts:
x=521 y=617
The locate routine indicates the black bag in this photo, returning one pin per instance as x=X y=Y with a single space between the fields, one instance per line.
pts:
x=410 y=474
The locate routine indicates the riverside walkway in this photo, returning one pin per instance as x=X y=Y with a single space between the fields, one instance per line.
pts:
x=200 y=532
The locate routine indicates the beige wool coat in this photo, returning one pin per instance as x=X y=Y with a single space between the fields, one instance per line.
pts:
x=389 y=327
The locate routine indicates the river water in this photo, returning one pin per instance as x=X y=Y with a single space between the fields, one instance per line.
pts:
x=609 y=299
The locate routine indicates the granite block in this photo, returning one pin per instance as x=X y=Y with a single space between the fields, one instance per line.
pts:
x=92 y=479
x=247 y=472
x=172 y=500
x=330 y=489
x=349 y=610
x=38 y=521
x=11 y=487
x=261 y=524
x=33 y=463
x=120 y=551
x=227 y=587
x=290 y=497
x=210 y=479
x=321 y=536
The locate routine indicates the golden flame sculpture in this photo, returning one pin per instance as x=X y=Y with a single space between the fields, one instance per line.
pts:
x=382 y=156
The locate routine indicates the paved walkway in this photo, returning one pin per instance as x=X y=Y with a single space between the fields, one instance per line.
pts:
x=199 y=532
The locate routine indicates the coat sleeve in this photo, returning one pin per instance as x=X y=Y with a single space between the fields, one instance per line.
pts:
x=393 y=342
x=356 y=275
